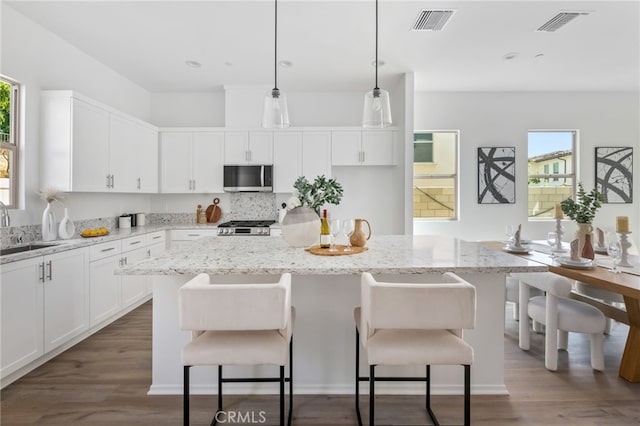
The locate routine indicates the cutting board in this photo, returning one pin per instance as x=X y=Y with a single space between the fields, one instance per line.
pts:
x=213 y=212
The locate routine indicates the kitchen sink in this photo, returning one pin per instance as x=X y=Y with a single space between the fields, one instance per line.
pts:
x=20 y=249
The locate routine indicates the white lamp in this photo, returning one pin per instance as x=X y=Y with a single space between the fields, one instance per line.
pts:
x=377 y=110
x=275 y=113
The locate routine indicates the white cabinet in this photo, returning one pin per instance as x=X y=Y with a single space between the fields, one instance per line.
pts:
x=367 y=148
x=287 y=160
x=178 y=237
x=65 y=296
x=248 y=147
x=21 y=314
x=105 y=289
x=134 y=287
x=191 y=161
x=89 y=147
x=316 y=154
x=156 y=245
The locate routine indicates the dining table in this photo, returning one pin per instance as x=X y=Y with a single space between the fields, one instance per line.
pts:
x=626 y=283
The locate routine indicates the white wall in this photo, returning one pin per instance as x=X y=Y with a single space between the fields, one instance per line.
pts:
x=40 y=60
x=503 y=119
x=204 y=109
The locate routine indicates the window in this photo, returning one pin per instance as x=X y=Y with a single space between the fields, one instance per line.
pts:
x=9 y=97
x=550 y=151
x=423 y=147
x=435 y=183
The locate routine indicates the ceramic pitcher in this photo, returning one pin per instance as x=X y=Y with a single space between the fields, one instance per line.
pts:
x=358 y=237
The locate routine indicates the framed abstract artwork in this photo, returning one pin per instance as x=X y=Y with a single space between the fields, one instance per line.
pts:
x=614 y=173
x=497 y=175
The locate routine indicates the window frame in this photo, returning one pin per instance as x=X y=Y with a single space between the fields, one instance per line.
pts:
x=13 y=145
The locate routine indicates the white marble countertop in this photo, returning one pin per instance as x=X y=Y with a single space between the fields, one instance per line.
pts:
x=393 y=254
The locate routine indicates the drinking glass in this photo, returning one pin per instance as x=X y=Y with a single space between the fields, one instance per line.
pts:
x=614 y=250
x=552 y=240
x=509 y=231
x=348 y=228
x=336 y=230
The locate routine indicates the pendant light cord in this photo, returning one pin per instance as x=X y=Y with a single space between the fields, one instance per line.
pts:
x=275 y=58
x=376 y=45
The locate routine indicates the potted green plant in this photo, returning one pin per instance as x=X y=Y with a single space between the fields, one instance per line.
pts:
x=301 y=224
x=583 y=211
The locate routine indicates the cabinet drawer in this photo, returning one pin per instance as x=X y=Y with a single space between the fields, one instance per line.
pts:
x=132 y=243
x=100 y=251
x=156 y=237
x=192 y=234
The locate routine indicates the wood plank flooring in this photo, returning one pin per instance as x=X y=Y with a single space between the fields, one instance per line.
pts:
x=104 y=380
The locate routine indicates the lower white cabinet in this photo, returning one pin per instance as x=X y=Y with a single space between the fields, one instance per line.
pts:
x=21 y=314
x=44 y=305
x=134 y=287
x=178 y=237
x=105 y=287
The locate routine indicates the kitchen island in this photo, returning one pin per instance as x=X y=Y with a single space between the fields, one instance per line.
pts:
x=325 y=289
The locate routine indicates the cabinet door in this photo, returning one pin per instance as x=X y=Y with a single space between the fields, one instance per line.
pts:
x=207 y=161
x=90 y=150
x=21 y=314
x=316 y=154
x=261 y=147
x=287 y=160
x=175 y=162
x=152 y=251
x=236 y=148
x=123 y=154
x=65 y=297
x=377 y=148
x=134 y=287
x=105 y=289
x=147 y=158
x=346 y=148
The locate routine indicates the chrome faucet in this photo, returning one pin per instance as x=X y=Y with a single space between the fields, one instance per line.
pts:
x=5 y=220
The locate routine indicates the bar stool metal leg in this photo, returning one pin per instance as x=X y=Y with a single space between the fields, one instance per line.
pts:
x=372 y=395
x=290 y=380
x=185 y=395
x=467 y=395
x=358 y=377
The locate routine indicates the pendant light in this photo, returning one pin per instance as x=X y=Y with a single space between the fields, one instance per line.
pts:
x=377 y=110
x=275 y=113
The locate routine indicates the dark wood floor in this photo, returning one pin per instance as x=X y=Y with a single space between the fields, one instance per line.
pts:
x=104 y=380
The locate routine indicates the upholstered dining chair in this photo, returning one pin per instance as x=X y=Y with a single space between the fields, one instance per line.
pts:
x=606 y=296
x=414 y=324
x=237 y=324
x=559 y=315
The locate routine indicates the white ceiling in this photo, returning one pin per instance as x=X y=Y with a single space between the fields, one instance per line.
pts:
x=331 y=43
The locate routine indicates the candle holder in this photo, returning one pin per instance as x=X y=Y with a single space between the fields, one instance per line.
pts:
x=624 y=244
x=559 y=233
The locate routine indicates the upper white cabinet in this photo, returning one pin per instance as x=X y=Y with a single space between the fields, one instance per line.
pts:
x=367 y=148
x=191 y=161
x=90 y=147
x=248 y=147
x=287 y=160
x=316 y=154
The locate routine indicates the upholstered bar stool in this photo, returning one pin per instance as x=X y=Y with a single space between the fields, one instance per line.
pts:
x=559 y=315
x=237 y=324
x=414 y=324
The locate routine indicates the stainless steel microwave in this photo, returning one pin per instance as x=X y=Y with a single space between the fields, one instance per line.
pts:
x=248 y=178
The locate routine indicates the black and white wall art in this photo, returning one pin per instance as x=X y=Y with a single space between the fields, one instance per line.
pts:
x=496 y=175
x=614 y=173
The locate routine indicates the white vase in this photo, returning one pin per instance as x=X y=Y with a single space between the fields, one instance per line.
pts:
x=301 y=227
x=581 y=233
x=49 y=231
x=66 y=228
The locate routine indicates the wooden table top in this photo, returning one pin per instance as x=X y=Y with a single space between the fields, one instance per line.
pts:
x=622 y=283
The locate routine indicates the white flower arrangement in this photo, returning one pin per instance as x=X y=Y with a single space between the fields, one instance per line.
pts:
x=51 y=195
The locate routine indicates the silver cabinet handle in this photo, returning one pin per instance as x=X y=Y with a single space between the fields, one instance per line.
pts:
x=138 y=183
x=363 y=156
x=50 y=273
x=108 y=249
x=148 y=252
x=194 y=184
x=125 y=260
x=120 y=261
x=193 y=235
x=134 y=243
x=113 y=181
x=108 y=181
x=41 y=272
x=156 y=237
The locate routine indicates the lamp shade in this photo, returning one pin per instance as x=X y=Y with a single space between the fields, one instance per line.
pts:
x=377 y=109
x=275 y=113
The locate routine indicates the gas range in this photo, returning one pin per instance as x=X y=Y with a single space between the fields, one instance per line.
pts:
x=245 y=227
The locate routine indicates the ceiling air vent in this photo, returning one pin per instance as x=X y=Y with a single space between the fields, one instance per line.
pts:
x=559 y=21
x=432 y=20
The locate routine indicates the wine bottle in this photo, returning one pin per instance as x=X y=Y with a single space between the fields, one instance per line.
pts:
x=325 y=232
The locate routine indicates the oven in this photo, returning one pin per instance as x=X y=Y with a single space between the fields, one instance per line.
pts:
x=246 y=227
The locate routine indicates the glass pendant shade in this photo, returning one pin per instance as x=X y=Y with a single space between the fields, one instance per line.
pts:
x=377 y=109
x=275 y=113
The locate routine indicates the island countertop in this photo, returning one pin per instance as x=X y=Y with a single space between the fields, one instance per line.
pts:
x=386 y=254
